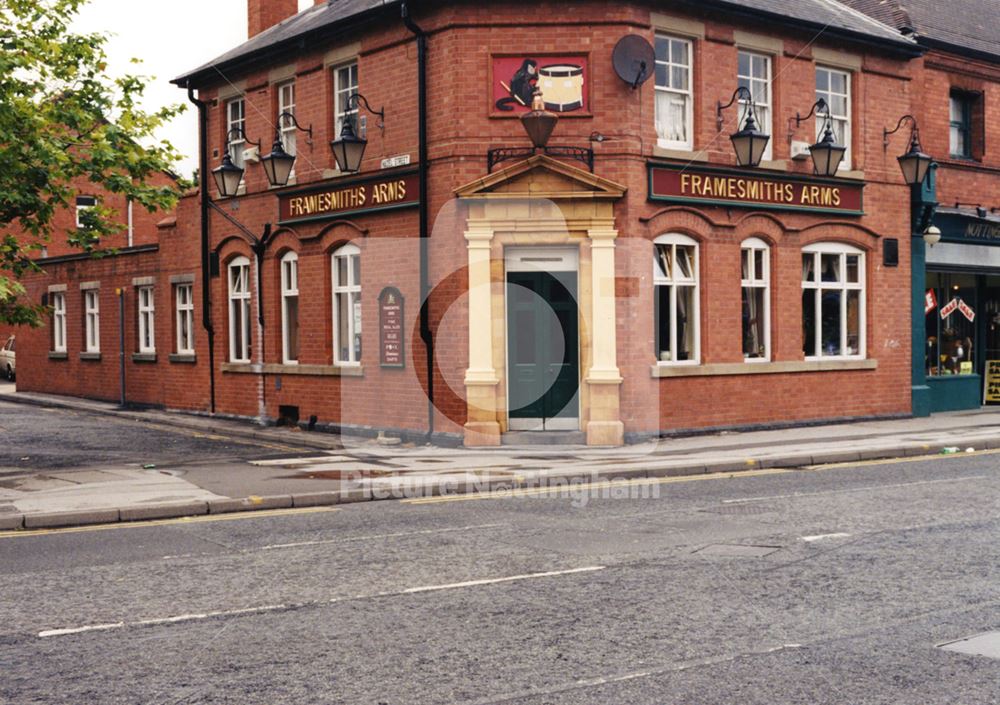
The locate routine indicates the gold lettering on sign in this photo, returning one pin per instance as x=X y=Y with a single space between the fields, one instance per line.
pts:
x=725 y=187
x=390 y=192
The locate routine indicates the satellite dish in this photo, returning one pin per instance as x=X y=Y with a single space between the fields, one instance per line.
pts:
x=634 y=60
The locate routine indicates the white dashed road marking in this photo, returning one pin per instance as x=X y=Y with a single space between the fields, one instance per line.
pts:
x=157 y=621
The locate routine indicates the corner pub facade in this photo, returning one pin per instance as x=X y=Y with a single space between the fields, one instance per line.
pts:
x=626 y=282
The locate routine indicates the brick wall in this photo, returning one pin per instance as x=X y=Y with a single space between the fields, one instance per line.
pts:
x=159 y=382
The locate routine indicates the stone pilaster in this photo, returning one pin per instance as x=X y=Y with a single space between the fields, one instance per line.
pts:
x=482 y=427
x=604 y=426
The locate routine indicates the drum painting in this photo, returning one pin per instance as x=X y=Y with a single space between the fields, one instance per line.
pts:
x=561 y=79
x=562 y=87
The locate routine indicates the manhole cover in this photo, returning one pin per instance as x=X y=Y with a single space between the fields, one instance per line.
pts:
x=986 y=644
x=737 y=550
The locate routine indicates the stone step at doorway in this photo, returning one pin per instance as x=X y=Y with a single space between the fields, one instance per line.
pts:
x=543 y=438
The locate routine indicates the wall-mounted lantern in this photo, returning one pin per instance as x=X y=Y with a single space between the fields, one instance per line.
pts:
x=749 y=143
x=826 y=154
x=349 y=148
x=539 y=122
x=278 y=164
x=914 y=164
x=228 y=176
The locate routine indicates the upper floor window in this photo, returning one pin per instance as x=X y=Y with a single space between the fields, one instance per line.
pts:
x=58 y=302
x=91 y=321
x=755 y=282
x=961 y=125
x=347 y=305
x=754 y=73
x=286 y=104
x=673 y=93
x=833 y=301
x=834 y=87
x=239 y=310
x=235 y=126
x=290 y=308
x=84 y=204
x=184 y=297
x=147 y=318
x=675 y=283
x=345 y=84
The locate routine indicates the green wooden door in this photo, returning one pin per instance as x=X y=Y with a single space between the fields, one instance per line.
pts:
x=542 y=349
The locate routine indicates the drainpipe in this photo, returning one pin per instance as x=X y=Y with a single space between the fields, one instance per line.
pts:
x=425 y=323
x=131 y=225
x=120 y=292
x=259 y=249
x=206 y=266
x=923 y=204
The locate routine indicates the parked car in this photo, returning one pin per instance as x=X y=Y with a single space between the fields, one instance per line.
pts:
x=7 y=366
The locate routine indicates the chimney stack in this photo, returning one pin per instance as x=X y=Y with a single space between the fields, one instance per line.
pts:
x=264 y=14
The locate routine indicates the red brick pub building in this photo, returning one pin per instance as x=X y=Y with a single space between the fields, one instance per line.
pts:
x=626 y=282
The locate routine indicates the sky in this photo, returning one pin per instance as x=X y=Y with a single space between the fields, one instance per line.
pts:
x=171 y=38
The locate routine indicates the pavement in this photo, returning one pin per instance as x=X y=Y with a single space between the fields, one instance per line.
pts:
x=285 y=468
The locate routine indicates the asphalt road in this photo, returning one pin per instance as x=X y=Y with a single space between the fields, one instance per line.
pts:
x=828 y=586
x=35 y=439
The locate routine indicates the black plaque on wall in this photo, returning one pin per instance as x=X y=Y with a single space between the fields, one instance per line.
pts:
x=890 y=252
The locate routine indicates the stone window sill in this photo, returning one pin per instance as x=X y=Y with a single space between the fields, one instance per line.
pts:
x=302 y=370
x=58 y=356
x=774 y=164
x=761 y=368
x=143 y=357
x=183 y=358
x=91 y=356
x=682 y=154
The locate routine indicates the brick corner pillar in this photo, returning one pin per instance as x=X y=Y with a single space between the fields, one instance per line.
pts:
x=604 y=427
x=482 y=428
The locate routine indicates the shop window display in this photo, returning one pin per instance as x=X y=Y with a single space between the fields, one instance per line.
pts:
x=950 y=308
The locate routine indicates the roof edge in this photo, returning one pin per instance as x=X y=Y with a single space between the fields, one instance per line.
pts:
x=902 y=46
x=195 y=78
x=959 y=49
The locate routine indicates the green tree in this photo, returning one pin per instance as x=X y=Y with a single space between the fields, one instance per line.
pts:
x=62 y=120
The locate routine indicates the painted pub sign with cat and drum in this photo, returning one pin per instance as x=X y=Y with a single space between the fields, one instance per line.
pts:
x=562 y=81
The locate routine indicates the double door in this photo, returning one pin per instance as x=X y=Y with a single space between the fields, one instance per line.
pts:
x=543 y=350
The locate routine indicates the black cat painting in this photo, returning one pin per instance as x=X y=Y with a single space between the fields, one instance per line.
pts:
x=521 y=86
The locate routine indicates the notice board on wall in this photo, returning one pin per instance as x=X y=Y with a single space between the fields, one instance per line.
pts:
x=991 y=382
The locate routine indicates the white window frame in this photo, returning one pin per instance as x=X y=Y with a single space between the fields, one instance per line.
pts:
x=668 y=66
x=184 y=306
x=81 y=207
x=752 y=279
x=659 y=279
x=239 y=308
x=342 y=90
x=92 y=320
x=289 y=290
x=58 y=302
x=352 y=290
x=237 y=142
x=763 y=99
x=960 y=126
x=841 y=120
x=146 y=305
x=843 y=286
x=286 y=103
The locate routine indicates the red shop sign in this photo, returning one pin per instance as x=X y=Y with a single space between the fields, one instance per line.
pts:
x=681 y=183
